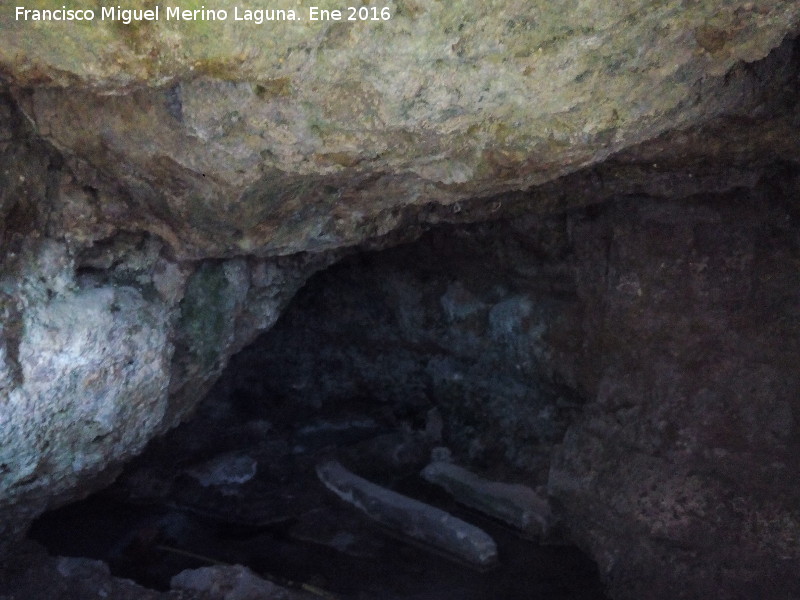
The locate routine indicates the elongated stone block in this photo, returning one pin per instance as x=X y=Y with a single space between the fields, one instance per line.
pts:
x=410 y=517
x=515 y=504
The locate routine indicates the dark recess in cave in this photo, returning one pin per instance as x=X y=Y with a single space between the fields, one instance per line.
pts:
x=378 y=360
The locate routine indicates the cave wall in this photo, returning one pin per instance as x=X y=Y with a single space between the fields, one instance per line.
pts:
x=226 y=139
x=638 y=358
x=679 y=471
x=163 y=198
x=456 y=320
x=106 y=338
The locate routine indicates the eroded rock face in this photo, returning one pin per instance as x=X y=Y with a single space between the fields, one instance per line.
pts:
x=681 y=469
x=227 y=138
x=639 y=359
x=165 y=188
x=92 y=318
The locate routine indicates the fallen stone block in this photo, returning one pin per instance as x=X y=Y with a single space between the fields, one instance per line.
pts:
x=411 y=518
x=515 y=504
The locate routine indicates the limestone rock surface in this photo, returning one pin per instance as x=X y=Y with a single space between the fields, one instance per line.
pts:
x=92 y=315
x=31 y=574
x=226 y=138
x=166 y=187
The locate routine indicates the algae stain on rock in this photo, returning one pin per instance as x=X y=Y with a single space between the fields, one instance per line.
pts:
x=203 y=311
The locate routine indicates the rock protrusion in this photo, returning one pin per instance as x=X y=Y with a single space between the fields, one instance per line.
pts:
x=422 y=522
x=515 y=504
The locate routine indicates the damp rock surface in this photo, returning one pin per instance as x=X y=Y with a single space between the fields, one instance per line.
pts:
x=106 y=339
x=687 y=447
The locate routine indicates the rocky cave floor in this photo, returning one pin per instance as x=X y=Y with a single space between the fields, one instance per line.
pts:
x=196 y=493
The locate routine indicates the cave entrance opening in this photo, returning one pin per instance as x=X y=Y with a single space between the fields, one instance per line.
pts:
x=430 y=356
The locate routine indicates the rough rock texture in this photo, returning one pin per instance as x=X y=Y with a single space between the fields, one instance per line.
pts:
x=165 y=188
x=672 y=325
x=91 y=320
x=445 y=321
x=226 y=138
x=682 y=469
x=33 y=575
x=409 y=517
